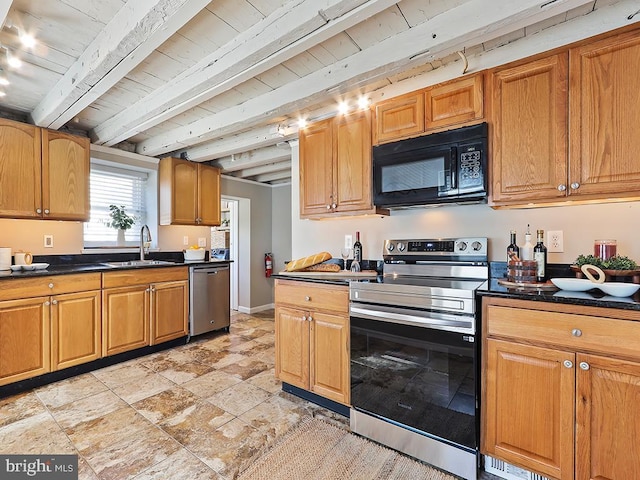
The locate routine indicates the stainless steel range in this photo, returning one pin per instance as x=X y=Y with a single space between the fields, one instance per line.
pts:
x=414 y=357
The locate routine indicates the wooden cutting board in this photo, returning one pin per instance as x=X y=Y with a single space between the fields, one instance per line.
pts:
x=527 y=286
x=340 y=274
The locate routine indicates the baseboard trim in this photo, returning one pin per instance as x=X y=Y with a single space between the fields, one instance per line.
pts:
x=260 y=308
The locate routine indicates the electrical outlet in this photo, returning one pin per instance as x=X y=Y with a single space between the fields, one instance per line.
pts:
x=556 y=241
x=48 y=241
x=202 y=242
x=348 y=241
x=185 y=240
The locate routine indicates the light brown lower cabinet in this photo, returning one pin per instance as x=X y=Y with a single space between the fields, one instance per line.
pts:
x=560 y=388
x=48 y=323
x=312 y=338
x=143 y=307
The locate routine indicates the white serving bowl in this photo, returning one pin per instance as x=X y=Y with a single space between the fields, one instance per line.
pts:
x=574 y=284
x=194 y=254
x=619 y=289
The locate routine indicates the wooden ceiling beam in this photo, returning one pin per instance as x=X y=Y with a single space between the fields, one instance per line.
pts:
x=287 y=32
x=257 y=138
x=423 y=43
x=255 y=158
x=266 y=169
x=138 y=28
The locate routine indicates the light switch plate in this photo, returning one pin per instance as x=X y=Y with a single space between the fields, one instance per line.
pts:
x=185 y=240
x=202 y=242
x=348 y=241
x=48 y=241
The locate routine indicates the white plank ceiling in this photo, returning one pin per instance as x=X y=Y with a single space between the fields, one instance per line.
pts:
x=225 y=81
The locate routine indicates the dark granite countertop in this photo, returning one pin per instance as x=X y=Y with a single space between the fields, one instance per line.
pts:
x=592 y=298
x=68 y=264
x=327 y=279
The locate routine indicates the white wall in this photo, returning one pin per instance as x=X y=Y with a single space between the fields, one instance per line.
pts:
x=281 y=226
x=581 y=224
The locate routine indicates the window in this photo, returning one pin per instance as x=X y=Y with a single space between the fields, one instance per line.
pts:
x=115 y=186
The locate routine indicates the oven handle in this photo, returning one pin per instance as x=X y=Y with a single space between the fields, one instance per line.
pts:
x=444 y=322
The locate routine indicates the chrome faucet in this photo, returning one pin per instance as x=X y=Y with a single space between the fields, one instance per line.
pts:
x=145 y=241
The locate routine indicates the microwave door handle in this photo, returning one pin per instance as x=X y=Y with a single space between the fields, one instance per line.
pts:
x=454 y=168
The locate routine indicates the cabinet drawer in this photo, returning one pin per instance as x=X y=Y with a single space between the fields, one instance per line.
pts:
x=310 y=296
x=137 y=276
x=48 y=285
x=573 y=331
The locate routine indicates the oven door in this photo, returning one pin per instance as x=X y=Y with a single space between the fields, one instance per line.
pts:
x=417 y=377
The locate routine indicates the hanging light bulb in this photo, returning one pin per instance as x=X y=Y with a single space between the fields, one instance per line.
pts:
x=27 y=39
x=343 y=107
x=12 y=60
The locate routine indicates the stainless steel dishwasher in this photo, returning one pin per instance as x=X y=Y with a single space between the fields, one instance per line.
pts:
x=209 y=307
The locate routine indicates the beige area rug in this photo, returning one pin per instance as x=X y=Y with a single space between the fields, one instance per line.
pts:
x=317 y=450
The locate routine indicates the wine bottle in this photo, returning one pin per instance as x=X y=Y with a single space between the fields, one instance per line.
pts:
x=527 y=248
x=540 y=256
x=357 y=249
x=512 y=248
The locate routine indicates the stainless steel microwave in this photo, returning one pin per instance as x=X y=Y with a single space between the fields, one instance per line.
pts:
x=444 y=167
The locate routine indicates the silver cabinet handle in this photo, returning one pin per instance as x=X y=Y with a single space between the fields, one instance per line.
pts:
x=47 y=303
x=54 y=301
x=568 y=363
x=38 y=210
x=333 y=205
x=304 y=318
x=562 y=187
x=51 y=285
x=307 y=298
x=310 y=318
x=575 y=186
x=46 y=211
x=584 y=366
x=576 y=332
x=328 y=207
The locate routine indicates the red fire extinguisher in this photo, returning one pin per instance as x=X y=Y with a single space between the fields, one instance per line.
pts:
x=268 y=264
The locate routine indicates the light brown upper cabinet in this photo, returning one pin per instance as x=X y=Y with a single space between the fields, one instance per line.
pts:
x=45 y=173
x=604 y=117
x=563 y=127
x=456 y=102
x=189 y=193
x=529 y=130
x=335 y=167
x=399 y=117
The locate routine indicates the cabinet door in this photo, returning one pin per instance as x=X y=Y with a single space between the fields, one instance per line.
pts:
x=169 y=311
x=24 y=339
x=607 y=418
x=65 y=176
x=125 y=319
x=399 y=117
x=178 y=191
x=353 y=176
x=329 y=374
x=316 y=168
x=454 y=102
x=208 y=196
x=529 y=134
x=605 y=116
x=292 y=346
x=20 y=181
x=528 y=410
x=76 y=329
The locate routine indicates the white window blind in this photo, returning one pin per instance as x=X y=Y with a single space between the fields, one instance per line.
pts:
x=115 y=186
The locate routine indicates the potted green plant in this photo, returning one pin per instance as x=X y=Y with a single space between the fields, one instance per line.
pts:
x=120 y=220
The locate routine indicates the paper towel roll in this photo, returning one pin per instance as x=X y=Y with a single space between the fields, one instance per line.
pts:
x=5 y=258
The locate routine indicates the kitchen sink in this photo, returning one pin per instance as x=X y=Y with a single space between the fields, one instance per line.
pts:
x=137 y=263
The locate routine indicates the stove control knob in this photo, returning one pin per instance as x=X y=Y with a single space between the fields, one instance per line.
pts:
x=476 y=246
x=401 y=247
x=462 y=246
x=390 y=247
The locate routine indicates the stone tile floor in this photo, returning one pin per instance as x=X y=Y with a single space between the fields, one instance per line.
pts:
x=198 y=411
